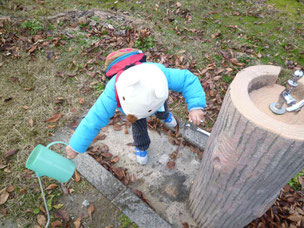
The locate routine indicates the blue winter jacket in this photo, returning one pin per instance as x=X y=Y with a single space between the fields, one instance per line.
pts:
x=104 y=108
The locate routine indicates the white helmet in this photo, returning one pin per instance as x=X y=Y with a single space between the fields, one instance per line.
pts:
x=142 y=90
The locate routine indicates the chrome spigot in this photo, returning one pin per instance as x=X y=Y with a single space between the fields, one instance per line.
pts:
x=296 y=107
x=285 y=95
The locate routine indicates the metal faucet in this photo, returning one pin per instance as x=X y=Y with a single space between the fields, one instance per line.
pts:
x=296 y=107
x=285 y=96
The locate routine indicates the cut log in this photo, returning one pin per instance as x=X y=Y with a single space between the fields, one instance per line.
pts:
x=250 y=155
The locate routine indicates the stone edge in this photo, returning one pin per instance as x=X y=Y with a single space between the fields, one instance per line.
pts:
x=121 y=196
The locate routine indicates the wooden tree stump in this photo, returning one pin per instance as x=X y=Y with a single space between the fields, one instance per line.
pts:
x=250 y=155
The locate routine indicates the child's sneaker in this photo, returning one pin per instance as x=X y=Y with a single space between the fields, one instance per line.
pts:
x=170 y=121
x=141 y=156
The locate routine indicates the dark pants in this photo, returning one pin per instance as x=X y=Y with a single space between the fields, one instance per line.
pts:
x=140 y=129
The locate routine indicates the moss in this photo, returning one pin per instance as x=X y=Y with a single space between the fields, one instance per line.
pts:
x=125 y=222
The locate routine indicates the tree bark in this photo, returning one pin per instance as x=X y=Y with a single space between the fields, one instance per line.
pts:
x=248 y=159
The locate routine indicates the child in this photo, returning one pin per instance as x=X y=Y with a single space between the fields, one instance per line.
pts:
x=139 y=91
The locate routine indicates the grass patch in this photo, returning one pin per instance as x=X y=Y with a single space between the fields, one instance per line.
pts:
x=34 y=26
x=294 y=182
x=126 y=222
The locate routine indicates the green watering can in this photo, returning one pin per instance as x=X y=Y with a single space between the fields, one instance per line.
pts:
x=46 y=162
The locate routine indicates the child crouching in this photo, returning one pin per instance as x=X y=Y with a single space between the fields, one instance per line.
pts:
x=138 y=89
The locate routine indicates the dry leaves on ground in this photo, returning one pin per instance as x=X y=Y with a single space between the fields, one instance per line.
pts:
x=56 y=223
x=62 y=214
x=51 y=186
x=91 y=210
x=54 y=118
x=3 y=196
x=77 y=176
x=77 y=223
x=41 y=220
x=10 y=153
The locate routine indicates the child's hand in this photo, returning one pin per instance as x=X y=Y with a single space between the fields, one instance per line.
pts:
x=70 y=152
x=196 y=116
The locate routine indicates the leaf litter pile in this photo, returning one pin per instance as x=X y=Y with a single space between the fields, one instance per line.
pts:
x=105 y=37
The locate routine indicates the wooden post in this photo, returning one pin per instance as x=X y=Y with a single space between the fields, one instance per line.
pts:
x=250 y=155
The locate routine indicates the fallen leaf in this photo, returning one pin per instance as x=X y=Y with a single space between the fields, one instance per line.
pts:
x=215 y=35
x=95 y=149
x=77 y=223
x=62 y=214
x=99 y=137
x=42 y=209
x=104 y=149
x=56 y=223
x=3 y=211
x=172 y=156
x=217 y=78
x=32 y=49
x=224 y=54
x=59 y=74
x=14 y=79
x=234 y=61
x=294 y=218
x=11 y=188
x=171 y=164
x=110 y=226
x=91 y=210
x=117 y=127
x=31 y=122
x=119 y=172
x=104 y=129
x=115 y=159
x=3 y=197
x=81 y=100
x=77 y=176
x=59 y=100
x=126 y=130
x=106 y=155
x=25 y=107
x=93 y=83
x=10 y=153
x=186 y=225
x=7 y=170
x=51 y=186
x=2 y=166
x=178 y=4
x=126 y=179
x=54 y=118
x=41 y=220
x=133 y=178
x=37 y=37
x=58 y=206
x=23 y=191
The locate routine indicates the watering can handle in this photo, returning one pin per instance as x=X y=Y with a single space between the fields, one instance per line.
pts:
x=56 y=142
x=48 y=146
x=41 y=187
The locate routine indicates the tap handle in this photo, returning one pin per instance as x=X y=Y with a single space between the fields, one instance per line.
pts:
x=297 y=75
